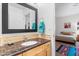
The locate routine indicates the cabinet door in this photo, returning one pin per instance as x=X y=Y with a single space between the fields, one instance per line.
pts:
x=41 y=53
x=38 y=51
x=47 y=47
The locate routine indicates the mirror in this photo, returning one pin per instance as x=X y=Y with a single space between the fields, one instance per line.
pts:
x=20 y=17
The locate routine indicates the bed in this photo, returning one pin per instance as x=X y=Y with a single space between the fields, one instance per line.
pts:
x=66 y=38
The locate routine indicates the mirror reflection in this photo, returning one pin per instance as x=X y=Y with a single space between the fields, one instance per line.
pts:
x=20 y=17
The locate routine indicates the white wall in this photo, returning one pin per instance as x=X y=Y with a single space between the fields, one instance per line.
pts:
x=69 y=19
x=66 y=9
x=16 y=13
x=47 y=12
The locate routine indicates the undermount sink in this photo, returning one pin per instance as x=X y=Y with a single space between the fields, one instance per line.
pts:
x=29 y=43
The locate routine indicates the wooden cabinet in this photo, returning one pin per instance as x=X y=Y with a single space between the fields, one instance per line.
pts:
x=41 y=53
x=47 y=48
x=43 y=50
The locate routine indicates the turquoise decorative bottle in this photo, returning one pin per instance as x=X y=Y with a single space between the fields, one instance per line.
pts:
x=42 y=27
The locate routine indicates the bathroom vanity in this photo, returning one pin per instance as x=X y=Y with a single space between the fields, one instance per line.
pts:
x=41 y=50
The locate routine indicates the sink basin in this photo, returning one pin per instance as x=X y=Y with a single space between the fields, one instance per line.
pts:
x=29 y=43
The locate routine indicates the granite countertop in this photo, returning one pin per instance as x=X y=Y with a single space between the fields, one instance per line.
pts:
x=16 y=48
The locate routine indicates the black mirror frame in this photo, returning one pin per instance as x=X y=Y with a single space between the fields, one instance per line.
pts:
x=5 y=29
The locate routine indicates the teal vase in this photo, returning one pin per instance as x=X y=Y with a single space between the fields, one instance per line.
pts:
x=42 y=27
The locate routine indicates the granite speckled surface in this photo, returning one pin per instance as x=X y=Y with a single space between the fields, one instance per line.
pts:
x=16 y=48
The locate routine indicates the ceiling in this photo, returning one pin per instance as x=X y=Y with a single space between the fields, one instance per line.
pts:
x=66 y=9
